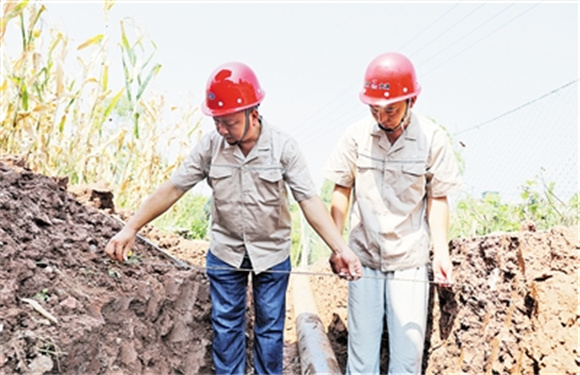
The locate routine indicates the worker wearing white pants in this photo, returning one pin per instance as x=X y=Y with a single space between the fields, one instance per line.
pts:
x=393 y=171
x=397 y=298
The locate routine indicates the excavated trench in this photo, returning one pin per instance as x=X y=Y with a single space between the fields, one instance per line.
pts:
x=513 y=309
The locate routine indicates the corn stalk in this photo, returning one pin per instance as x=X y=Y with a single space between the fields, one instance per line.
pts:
x=72 y=122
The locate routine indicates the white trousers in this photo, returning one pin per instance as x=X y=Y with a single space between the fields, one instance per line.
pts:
x=398 y=298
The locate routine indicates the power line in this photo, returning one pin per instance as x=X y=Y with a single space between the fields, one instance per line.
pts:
x=439 y=52
x=329 y=105
x=481 y=39
x=448 y=29
x=478 y=126
x=330 y=119
x=428 y=26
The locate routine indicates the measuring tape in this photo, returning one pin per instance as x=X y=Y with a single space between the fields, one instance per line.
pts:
x=181 y=264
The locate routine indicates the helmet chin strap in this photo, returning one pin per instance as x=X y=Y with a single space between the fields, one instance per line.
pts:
x=246 y=126
x=403 y=120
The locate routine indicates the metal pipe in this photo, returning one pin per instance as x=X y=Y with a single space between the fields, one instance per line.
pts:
x=316 y=354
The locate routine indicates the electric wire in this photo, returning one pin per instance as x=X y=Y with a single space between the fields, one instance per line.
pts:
x=480 y=40
x=440 y=51
x=309 y=137
x=552 y=92
x=312 y=136
x=293 y=272
x=428 y=27
x=438 y=36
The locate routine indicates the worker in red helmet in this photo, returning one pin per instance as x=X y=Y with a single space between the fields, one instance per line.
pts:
x=249 y=165
x=398 y=168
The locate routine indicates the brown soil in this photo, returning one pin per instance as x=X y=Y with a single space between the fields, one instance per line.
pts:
x=514 y=308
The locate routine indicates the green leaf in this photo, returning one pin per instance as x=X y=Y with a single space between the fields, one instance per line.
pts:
x=36 y=18
x=61 y=124
x=153 y=72
x=112 y=104
x=125 y=46
x=136 y=125
x=24 y=93
x=23 y=32
x=128 y=79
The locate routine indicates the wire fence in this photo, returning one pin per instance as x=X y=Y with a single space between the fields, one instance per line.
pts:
x=537 y=140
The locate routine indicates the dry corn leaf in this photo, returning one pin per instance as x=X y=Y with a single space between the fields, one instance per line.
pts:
x=94 y=40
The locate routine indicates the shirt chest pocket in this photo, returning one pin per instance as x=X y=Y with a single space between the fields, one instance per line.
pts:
x=409 y=181
x=269 y=186
x=370 y=176
x=221 y=181
x=369 y=166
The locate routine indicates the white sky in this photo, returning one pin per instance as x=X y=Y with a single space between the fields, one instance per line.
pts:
x=474 y=60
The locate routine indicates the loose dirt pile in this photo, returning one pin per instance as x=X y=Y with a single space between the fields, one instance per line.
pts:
x=66 y=308
x=143 y=317
x=513 y=310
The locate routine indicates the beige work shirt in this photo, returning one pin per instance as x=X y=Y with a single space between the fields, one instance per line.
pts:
x=250 y=204
x=388 y=223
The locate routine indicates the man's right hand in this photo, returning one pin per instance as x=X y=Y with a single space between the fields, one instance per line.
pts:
x=120 y=245
x=157 y=203
x=346 y=265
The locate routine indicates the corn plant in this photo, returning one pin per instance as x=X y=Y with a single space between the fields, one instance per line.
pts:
x=80 y=125
x=133 y=69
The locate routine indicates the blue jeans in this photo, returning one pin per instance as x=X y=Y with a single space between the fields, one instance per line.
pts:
x=228 y=288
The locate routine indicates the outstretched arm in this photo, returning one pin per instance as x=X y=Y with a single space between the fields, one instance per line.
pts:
x=156 y=204
x=318 y=217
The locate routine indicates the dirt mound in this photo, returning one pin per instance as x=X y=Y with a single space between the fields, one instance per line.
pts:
x=66 y=308
x=513 y=309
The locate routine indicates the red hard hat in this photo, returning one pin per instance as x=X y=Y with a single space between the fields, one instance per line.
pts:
x=389 y=78
x=232 y=87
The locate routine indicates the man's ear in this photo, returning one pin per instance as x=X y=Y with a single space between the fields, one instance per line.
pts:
x=255 y=114
x=413 y=100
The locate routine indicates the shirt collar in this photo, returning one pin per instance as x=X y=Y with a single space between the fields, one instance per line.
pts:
x=410 y=133
x=263 y=144
x=264 y=138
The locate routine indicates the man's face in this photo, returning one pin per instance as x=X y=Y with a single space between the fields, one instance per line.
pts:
x=389 y=116
x=231 y=126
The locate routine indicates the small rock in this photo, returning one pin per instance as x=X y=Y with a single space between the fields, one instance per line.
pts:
x=71 y=303
x=41 y=365
x=528 y=226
